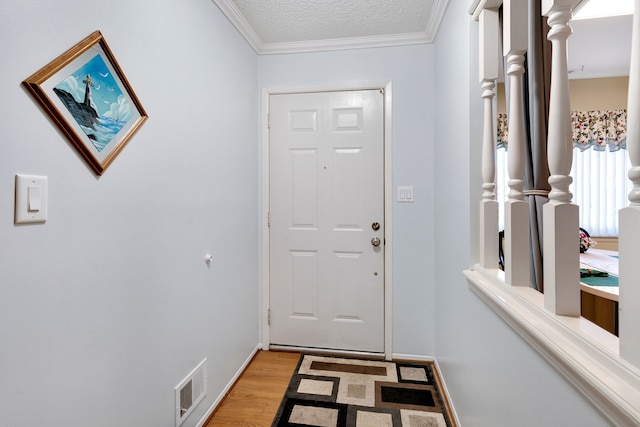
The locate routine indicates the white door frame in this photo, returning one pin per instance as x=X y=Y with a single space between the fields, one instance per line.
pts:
x=388 y=202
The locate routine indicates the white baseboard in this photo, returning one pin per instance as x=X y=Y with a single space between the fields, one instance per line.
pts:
x=327 y=351
x=224 y=391
x=417 y=357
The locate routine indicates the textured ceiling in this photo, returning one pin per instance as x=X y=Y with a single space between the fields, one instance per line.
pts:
x=597 y=48
x=280 y=26
x=278 y=21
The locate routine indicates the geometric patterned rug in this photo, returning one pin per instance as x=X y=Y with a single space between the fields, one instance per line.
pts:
x=343 y=392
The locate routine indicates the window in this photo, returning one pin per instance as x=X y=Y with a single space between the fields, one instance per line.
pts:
x=600 y=187
x=599 y=170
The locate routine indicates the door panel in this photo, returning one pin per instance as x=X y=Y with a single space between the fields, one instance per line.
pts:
x=326 y=189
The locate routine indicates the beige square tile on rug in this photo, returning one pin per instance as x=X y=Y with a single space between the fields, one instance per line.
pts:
x=356 y=391
x=323 y=388
x=320 y=417
x=372 y=419
x=413 y=374
x=421 y=419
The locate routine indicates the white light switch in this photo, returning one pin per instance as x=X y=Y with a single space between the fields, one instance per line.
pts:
x=405 y=194
x=34 y=198
x=31 y=199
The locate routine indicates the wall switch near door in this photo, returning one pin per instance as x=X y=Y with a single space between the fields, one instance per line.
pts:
x=31 y=199
x=405 y=194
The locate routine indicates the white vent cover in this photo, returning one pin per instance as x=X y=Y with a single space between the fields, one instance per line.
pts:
x=190 y=392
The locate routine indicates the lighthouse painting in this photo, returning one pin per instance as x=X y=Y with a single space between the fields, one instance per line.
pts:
x=95 y=101
x=86 y=94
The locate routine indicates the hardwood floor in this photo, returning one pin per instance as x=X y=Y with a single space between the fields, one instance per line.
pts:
x=254 y=399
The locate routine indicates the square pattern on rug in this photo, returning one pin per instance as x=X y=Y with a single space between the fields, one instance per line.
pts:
x=339 y=392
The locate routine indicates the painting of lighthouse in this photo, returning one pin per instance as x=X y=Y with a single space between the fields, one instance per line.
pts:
x=88 y=97
x=95 y=101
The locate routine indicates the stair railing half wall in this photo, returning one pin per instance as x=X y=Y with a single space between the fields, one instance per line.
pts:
x=603 y=367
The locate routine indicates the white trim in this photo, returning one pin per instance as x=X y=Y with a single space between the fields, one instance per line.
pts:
x=266 y=260
x=586 y=355
x=388 y=201
x=225 y=390
x=439 y=8
x=388 y=222
x=478 y=6
x=344 y=44
x=228 y=8
x=334 y=352
x=579 y=6
x=410 y=357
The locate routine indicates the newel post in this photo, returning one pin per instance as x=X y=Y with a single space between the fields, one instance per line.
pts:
x=516 y=210
x=489 y=26
x=560 y=216
x=629 y=217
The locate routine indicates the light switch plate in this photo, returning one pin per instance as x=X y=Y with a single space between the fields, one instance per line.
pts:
x=405 y=194
x=31 y=199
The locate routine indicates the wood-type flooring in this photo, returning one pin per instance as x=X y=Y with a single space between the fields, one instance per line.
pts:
x=255 y=398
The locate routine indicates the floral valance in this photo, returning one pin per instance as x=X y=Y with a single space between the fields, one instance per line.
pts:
x=597 y=129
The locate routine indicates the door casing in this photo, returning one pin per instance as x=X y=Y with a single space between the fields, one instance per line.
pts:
x=388 y=202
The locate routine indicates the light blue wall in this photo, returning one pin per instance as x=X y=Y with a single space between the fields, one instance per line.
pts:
x=107 y=306
x=410 y=69
x=494 y=377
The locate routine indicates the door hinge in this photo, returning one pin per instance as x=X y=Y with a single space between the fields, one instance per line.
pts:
x=269 y=219
x=269 y=121
x=269 y=317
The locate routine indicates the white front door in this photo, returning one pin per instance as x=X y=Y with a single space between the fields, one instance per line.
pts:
x=327 y=220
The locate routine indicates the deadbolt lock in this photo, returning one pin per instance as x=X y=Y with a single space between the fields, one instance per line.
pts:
x=375 y=226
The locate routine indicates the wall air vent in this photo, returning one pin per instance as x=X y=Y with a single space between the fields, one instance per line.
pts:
x=190 y=392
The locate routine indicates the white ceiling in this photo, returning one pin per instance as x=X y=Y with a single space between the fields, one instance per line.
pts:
x=598 y=47
x=288 y=26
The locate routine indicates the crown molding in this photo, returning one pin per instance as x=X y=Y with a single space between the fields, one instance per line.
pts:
x=343 y=44
x=439 y=8
x=228 y=8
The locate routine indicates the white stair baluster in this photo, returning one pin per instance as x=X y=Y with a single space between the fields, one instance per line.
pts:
x=629 y=219
x=516 y=210
x=560 y=217
x=489 y=26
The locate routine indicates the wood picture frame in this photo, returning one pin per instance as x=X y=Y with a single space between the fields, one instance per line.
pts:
x=87 y=95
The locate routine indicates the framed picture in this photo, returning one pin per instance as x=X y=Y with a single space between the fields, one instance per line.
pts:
x=87 y=95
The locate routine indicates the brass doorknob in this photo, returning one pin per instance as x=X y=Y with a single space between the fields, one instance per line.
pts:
x=375 y=241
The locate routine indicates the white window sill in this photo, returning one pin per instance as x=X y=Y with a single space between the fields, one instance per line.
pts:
x=585 y=354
